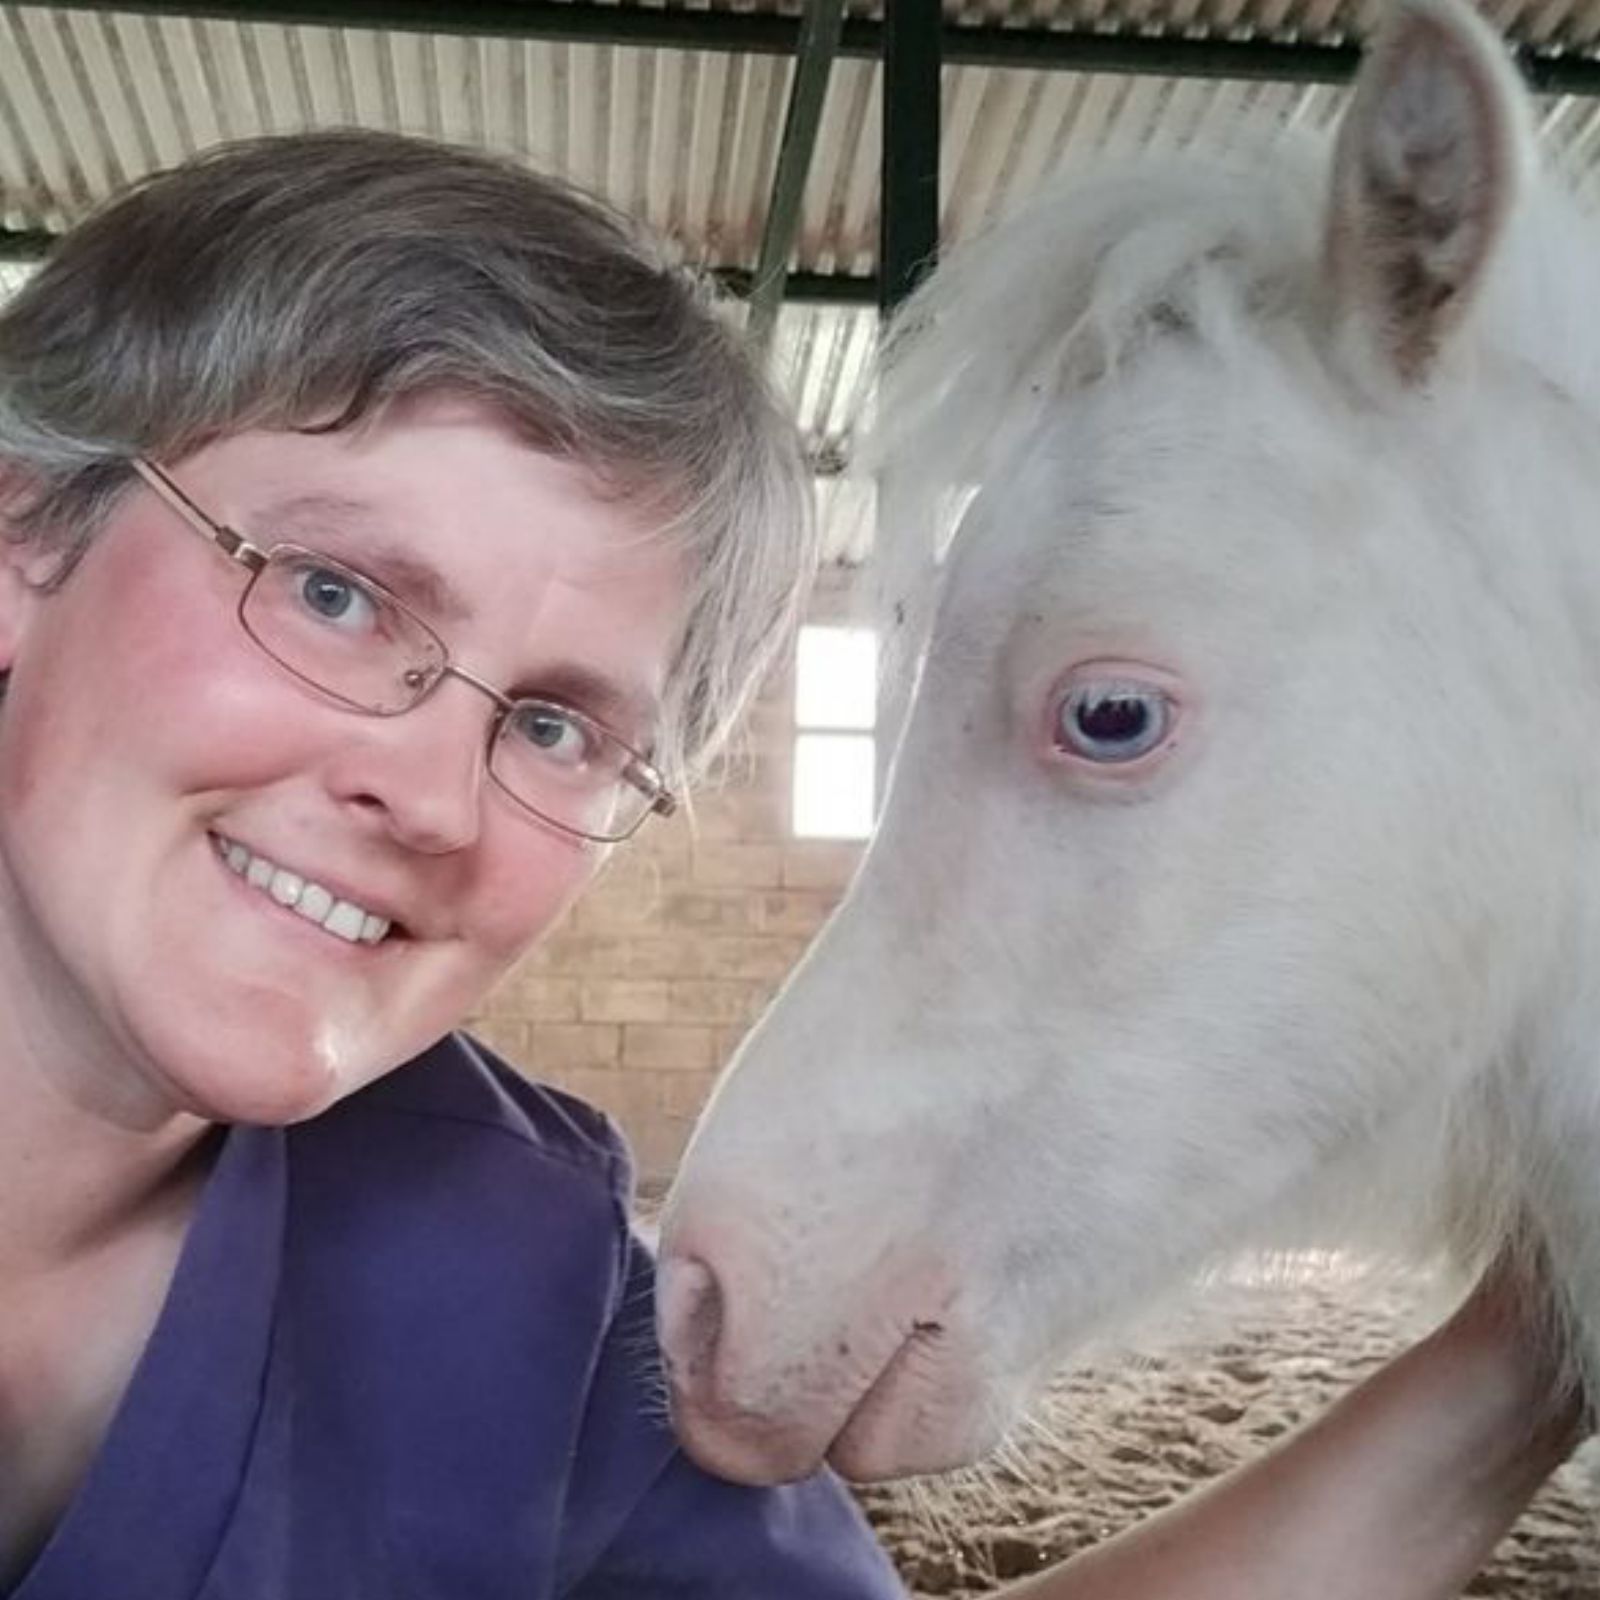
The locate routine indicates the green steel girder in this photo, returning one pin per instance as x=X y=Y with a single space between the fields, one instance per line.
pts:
x=816 y=49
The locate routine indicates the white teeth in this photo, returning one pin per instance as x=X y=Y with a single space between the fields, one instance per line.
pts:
x=285 y=887
x=342 y=918
x=314 y=903
x=345 y=920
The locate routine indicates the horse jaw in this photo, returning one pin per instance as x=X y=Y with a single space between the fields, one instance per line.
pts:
x=883 y=1280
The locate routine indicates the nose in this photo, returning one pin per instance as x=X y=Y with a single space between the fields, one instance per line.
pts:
x=689 y=1305
x=423 y=772
x=730 y=1439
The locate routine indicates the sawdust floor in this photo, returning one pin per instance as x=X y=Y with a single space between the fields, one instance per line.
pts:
x=1116 y=1444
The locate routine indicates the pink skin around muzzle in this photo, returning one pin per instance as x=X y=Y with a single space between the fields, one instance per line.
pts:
x=884 y=1383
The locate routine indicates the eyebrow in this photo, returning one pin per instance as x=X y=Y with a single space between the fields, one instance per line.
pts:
x=630 y=716
x=407 y=575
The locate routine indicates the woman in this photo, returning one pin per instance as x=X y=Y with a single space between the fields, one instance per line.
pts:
x=388 y=536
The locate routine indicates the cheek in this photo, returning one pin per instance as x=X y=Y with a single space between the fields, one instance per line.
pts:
x=61 y=717
x=24 y=753
x=124 y=659
x=528 y=879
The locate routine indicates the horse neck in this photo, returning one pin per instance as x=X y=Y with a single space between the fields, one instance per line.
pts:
x=1521 y=1156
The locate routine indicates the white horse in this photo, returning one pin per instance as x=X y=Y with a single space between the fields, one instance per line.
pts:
x=1239 y=879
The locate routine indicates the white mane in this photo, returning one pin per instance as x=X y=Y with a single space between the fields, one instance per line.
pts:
x=1066 y=292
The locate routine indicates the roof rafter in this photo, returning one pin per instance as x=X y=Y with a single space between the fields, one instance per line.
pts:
x=817 y=47
x=909 y=214
x=1031 y=49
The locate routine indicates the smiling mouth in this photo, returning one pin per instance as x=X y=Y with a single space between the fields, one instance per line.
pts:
x=344 y=919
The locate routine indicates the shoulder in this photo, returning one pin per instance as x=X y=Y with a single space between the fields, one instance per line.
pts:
x=456 y=1152
x=456 y=1254
x=454 y=1170
x=463 y=1091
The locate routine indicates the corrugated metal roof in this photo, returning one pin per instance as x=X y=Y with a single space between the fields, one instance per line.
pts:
x=89 y=100
x=821 y=356
x=687 y=139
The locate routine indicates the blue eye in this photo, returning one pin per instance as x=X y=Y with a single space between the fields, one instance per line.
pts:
x=1110 y=722
x=551 y=733
x=336 y=598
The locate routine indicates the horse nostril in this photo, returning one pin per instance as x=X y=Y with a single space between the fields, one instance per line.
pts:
x=689 y=1302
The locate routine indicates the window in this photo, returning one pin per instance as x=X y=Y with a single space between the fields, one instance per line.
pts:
x=835 y=751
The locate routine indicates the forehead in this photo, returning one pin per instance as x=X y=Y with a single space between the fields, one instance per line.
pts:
x=441 y=480
x=1185 y=485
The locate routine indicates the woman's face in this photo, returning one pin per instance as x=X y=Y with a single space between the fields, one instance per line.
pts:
x=142 y=731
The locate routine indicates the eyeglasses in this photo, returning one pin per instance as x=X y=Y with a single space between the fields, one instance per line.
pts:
x=347 y=637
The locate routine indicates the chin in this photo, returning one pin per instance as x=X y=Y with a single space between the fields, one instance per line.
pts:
x=263 y=1071
x=266 y=1093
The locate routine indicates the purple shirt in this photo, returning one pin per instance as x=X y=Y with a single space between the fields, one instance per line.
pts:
x=407 y=1354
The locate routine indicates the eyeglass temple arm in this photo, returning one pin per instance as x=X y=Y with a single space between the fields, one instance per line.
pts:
x=234 y=545
x=639 y=772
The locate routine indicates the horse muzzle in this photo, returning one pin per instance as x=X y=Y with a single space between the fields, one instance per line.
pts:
x=888 y=1386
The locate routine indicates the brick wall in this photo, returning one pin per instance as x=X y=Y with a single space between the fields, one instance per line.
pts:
x=641 y=995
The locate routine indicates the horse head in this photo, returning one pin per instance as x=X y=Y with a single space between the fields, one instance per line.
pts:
x=1232 y=884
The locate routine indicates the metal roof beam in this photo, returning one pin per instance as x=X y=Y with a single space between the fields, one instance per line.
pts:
x=806 y=288
x=1031 y=49
x=819 y=45
x=908 y=217
x=24 y=245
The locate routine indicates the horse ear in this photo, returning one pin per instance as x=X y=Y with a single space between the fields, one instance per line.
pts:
x=1427 y=165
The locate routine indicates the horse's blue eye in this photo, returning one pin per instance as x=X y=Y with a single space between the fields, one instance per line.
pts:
x=1111 y=722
